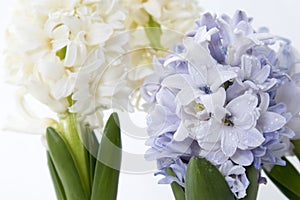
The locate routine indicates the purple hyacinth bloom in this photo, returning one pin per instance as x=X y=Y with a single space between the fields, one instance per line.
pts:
x=226 y=94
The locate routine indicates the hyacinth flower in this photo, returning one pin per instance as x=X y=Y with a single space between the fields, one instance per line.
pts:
x=222 y=108
x=155 y=27
x=62 y=53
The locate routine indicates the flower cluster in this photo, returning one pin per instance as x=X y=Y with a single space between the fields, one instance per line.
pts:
x=57 y=50
x=155 y=26
x=228 y=94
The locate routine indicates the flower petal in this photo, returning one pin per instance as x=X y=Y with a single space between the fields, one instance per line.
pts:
x=98 y=33
x=244 y=158
x=229 y=141
x=270 y=121
x=178 y=81
x=250 y=138
x=181 y=133
x=242 y=105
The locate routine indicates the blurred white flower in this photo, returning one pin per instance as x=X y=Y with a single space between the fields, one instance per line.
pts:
x=170 y=18
x=177 y=15
x=57 y=49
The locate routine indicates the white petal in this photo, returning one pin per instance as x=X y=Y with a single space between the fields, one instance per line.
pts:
x=63 y=88
x=244 y=158
x=270 y=121
x=242 y=105
x=236 y=169
x=71 y=54
x=178 y=81
x=213 y=101
x=246 y=66
x=198 y=75
x=187 y=95
x=245 y=122
x=153 y=7
x=229 y=141
x=262 y=75
x=197 y=55
x=182 y=133
x=264 y=101
x=219 y=75
x=216 y=157
x=51 y=69
x=98 y=33
x=60 y=37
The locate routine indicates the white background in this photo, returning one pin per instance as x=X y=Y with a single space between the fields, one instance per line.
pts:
x=23 y=168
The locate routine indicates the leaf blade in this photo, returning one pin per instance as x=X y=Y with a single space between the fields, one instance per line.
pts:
x=105 y=185
x=58 y=187
x=153 y=32
x=178 y=191
x=205 y=181
x=280 y=174
x=65 y=166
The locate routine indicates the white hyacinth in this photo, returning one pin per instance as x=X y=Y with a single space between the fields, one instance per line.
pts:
x=61 y=52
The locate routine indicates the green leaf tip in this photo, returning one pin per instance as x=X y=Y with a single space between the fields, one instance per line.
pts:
x=178 y=191
x=106 y=179
x=205 y=181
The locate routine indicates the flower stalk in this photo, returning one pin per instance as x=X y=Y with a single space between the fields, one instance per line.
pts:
x=77 y=172
x=68 y=130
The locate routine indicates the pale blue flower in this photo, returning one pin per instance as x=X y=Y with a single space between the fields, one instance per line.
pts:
x=227 y=95
x=235 y=132
x=251 y=76
x=236 y=178
x=289 y=94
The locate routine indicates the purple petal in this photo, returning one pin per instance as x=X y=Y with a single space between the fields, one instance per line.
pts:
x=251 y=138
x=244 y=158
x=270 y=121
x=261 y=76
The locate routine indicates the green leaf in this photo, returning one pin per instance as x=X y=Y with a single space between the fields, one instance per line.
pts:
x=205 y=181
x=105 y=185
x=65 y=166
x=62 y=53
x=285 y=191
x=178 y=191
x=68 y=130
x=59 y=190
x=297 y=148
x=92 y=145
x=252 y=189
x=287 y=178
x=153 y=33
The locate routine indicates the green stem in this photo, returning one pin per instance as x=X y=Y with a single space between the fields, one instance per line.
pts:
x=78 y=152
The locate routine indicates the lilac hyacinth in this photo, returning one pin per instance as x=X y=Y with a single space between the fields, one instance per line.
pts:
x=222 y=96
